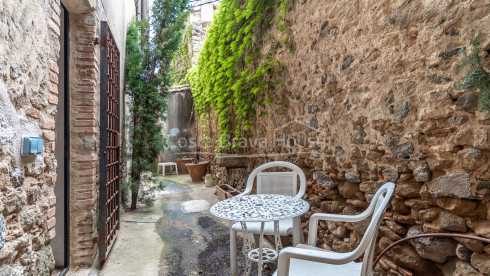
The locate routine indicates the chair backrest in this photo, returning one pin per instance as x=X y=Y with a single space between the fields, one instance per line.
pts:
x=368 y=243
x=284 y=183
x=281 y=183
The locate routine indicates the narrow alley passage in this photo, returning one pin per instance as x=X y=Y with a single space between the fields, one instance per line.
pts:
x=177 y=236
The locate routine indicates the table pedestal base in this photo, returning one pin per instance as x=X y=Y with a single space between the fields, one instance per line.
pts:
x=260 y=255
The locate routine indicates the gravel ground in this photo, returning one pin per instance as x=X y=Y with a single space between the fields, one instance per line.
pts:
x=196 y=243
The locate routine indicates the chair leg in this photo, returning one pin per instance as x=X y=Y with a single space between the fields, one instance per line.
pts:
x=297 y=232
x=257 y=240
x=233 y=252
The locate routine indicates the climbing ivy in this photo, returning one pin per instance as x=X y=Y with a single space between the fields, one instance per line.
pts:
x=477 y=79
x=182 y=60
x=232 y=77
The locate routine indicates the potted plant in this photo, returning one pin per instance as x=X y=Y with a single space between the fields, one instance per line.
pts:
x=181 y=164
x=197 y=170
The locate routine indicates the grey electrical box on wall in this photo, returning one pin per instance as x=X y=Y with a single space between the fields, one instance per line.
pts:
x=31 y=145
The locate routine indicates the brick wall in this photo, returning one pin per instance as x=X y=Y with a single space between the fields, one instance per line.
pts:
x=84 y=132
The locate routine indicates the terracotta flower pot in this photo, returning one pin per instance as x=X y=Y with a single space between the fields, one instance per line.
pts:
x=197 y=171
x=181 y=165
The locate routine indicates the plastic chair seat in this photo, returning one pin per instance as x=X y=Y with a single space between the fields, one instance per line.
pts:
x=310 y=260
x=299 y=267
x=285 y=227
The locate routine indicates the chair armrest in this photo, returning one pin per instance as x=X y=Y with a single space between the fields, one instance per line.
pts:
x=313 y=229
x=343 y=218
x=244 y=193
x=309 y=255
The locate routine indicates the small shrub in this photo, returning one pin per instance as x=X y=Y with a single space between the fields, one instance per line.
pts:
x=477 y=79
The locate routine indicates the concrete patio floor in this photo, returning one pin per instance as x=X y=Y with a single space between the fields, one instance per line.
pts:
x=177 y=236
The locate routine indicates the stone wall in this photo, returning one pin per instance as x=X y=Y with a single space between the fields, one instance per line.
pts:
x=369 y=97
x=28 y=96
x=29 y=52
x=200 y=18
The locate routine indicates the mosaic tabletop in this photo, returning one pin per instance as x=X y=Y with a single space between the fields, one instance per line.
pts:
x=261 y=207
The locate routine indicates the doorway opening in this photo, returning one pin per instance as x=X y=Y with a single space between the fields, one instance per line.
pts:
x=60 y=243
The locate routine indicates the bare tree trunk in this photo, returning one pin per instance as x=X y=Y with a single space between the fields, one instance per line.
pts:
x=134 y=200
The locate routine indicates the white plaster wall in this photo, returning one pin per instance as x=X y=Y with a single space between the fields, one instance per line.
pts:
x=118 y=14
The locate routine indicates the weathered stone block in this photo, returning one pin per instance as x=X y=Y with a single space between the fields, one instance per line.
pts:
x=419 y=203
x=353 y=176
x=450 y=222
x=333 y=207
x=456 y=267
x=347 y=62
x=408 y=189
x=390 y=175
x=366 y=187
x=463 y=253
x=386 y=231
x=461 y=207
x=348 y=189
x=481 y=262
x=455 y=185
x=339 y=150
x=405 y=256
x=458 y=120
x=324 y=180
x=468 y=102
x=405 y=219
x=422 y=173
x=473 y=245
x=449 y=54
x=437 y=78
x=232 y=161
x=402 y=111
x=480 y=226
x=403 y=150
x=28 y=217
x=396 y=227
x=435 y=249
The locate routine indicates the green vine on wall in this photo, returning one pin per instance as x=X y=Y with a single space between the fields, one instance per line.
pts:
x=182 y=61
x=232 y=77
x=477 y=79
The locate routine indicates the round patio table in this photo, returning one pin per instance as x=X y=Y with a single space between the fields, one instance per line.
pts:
x=260 y=208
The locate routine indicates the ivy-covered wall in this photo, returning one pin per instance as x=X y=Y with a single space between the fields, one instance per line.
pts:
x=368 y=96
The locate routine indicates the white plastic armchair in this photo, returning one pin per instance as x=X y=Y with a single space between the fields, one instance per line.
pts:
x=284 y=183
x=311 y=260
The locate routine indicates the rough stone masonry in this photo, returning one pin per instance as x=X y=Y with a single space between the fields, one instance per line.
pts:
x=29 y=50
x=369 y=89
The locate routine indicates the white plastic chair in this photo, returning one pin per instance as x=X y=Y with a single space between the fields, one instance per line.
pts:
x=310 y=260
x=284 y=183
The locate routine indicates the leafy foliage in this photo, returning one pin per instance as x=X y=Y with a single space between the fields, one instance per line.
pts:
x=182 y=60
x=477 y=80
x=232 y=77
x=148 y=67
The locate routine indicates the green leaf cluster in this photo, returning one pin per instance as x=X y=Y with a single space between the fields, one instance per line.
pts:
x=147 y=80
x=232 y=76
x=477 y=79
